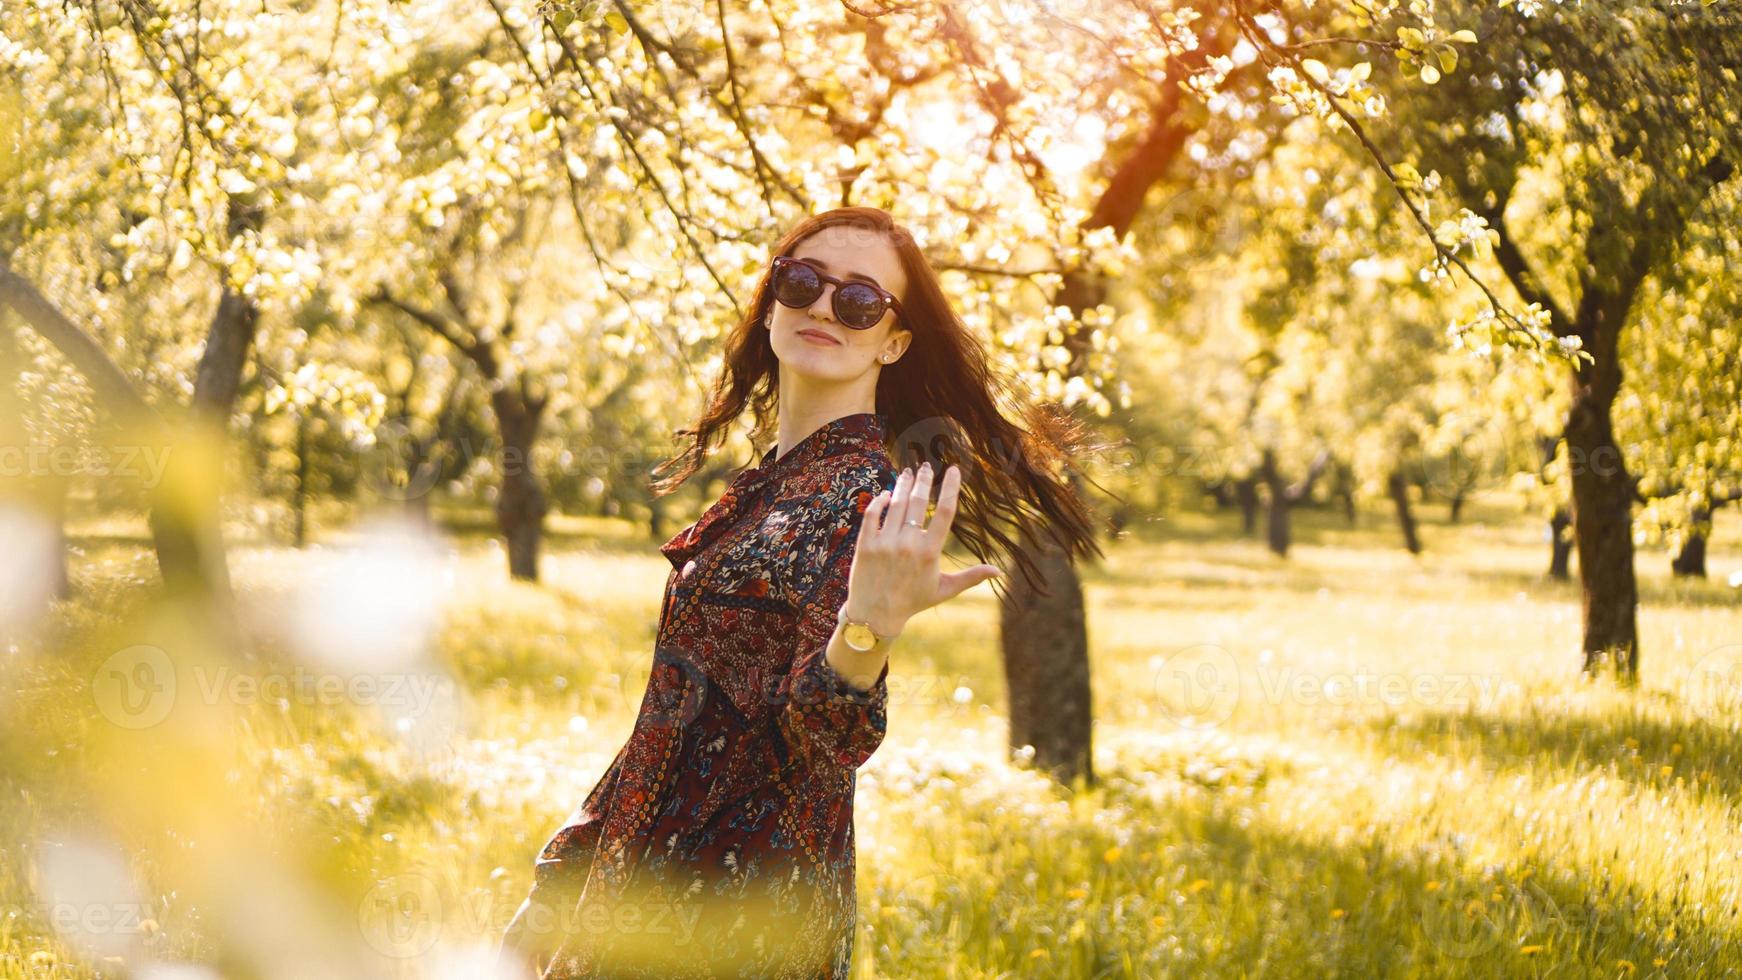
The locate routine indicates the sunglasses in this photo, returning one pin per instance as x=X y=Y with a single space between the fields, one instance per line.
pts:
x=857 y=304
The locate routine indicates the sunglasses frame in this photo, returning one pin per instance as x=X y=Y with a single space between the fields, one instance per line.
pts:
x=889 y=300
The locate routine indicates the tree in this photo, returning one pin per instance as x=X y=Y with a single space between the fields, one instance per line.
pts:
x=153 y=145
x=1640 y=176
x=1550 y=129
x=1684 y=406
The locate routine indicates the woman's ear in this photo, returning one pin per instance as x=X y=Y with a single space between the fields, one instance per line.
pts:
x=895 y=346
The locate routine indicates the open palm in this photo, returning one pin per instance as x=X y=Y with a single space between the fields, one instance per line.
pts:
x=895 y=565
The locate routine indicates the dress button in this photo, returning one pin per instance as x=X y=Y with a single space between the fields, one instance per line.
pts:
x=689 y=567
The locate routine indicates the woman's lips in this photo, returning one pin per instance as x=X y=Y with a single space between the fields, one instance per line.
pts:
x=818 y=337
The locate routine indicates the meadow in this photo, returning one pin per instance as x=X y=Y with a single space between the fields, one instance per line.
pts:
x=1355 y=762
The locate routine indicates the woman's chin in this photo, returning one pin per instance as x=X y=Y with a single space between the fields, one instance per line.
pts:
x=828 y=363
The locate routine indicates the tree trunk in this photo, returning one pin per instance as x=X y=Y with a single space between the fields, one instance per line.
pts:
x=1276 y=523
x=299 y=498
x=520 y=503
x=1344 y=490
x=1618 y=254
x=1044 y=637
x=217 y=379
x=1222 y=492
x=1561 y=545
x=230 y=335
x=1602 y=513
x=1457 y=505
x=416 y=508
x=1246 y=492
x=1046 y=666
x=1691 y=561
x=1398 y=488
x=1276 y=511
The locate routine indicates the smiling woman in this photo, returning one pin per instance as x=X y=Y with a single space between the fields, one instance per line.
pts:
x=725 y=823
x=917 y=364
x=727 y=817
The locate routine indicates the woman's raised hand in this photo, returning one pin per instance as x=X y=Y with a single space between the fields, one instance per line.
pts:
x=895 y=565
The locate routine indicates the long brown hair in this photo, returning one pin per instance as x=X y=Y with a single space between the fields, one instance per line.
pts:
x=941 y=398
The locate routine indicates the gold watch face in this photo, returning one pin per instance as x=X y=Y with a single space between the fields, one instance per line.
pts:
x=859 y=636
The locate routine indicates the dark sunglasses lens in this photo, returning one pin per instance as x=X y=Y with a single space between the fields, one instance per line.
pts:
x=796 y=284
x=858 y=305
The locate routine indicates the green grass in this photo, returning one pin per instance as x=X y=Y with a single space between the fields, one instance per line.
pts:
x=1354 y=762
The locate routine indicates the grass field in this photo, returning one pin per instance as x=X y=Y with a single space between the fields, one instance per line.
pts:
x=1354 y=762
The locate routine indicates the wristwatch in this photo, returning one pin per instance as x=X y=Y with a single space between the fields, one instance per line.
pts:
x=858 y=634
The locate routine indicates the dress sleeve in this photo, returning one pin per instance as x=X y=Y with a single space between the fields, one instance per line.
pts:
x=825 y=721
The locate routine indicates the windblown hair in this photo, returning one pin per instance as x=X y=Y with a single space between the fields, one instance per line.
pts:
x=942 y=401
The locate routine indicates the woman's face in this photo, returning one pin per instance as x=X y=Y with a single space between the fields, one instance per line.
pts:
x=811 y=340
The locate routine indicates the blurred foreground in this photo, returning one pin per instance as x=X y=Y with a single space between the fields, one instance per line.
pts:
x=1354 y=762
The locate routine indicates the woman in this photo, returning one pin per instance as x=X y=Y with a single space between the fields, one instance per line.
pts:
x=719 y=842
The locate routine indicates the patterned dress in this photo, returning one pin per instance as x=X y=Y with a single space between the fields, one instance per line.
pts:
x=719 y=842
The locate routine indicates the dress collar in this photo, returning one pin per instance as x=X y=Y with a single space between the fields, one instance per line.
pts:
x=848 y=433
x=834 y=437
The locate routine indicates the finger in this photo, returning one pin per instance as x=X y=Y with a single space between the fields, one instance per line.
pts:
x=918 y=500
x=952 y=584
x=945 y=511
x=898 y=502
x=869 y=524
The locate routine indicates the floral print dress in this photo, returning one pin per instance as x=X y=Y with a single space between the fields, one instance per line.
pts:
x=719 y=841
